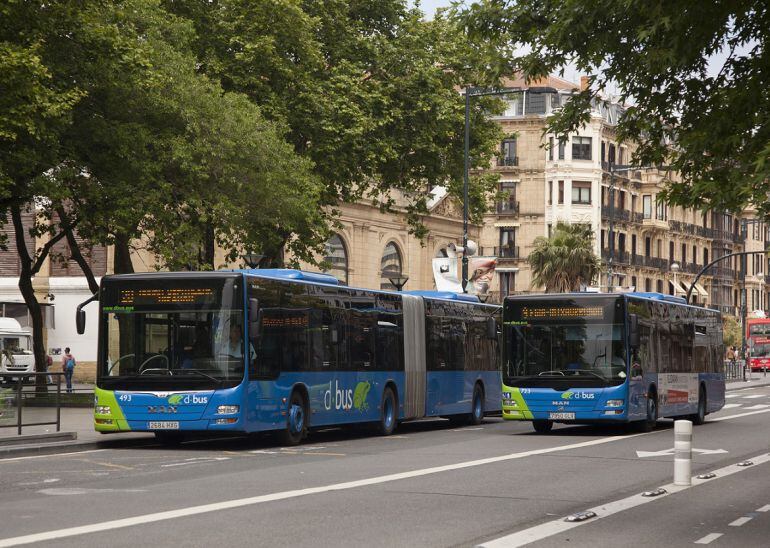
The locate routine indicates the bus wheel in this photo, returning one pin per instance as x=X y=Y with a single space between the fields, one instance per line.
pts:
x=700 y=416
x=388 y=411
x=477 y=406
x=296 y=421
x=648 y=424
x=542 y=427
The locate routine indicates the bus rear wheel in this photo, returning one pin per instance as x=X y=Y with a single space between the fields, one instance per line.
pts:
x=477 y=406
x=388 y=413
x=700 y=416
x=542 y=427
x=296 y=421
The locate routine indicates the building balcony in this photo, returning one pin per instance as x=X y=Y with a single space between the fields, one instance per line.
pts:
x=618 y=257
x=508 y=161
x=649 y=262
x=616 y=214
x=501 y=252
x=655 y=224
x=508 y=207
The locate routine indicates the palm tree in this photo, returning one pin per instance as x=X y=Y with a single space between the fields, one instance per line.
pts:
x=566 y=260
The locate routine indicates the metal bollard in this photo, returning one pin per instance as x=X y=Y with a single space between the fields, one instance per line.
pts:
x=682 y=452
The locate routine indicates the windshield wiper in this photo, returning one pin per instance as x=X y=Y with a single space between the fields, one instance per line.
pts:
x=202 y=374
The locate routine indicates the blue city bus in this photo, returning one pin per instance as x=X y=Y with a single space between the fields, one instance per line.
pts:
x=248 y=351
x=586 y=358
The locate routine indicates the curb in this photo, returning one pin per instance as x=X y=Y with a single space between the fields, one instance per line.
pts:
x=26 y=439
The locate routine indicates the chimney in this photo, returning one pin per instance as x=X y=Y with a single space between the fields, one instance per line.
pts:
x=583 y=83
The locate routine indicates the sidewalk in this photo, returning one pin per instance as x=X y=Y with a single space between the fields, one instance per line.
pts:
x=78 y=423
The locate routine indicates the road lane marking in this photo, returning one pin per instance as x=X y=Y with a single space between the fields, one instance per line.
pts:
x=765 y=508
x=250 y=501
x=731 y=405
x=740 y=521
x=194 y=460
x=754 y=396
x=558 y=526
x=708 y=539
x=728 y=417
x=759 y=406
x=728 y=396
x=51 y=455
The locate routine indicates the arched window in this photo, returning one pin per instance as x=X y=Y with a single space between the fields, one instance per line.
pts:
x=337 y=257
x=390 y=265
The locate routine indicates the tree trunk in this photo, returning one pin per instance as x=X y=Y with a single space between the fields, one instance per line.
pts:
x=122 y=263
x=208 y=246
x=67 y=227
x=28 y=293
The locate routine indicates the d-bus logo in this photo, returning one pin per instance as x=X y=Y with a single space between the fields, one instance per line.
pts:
x=578 y=396
x=188 y=399
x=345 y=399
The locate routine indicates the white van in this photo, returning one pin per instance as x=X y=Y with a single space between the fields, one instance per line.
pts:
x=16 y=355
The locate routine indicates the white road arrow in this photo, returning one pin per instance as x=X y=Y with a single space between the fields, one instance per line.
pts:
x=664 y=452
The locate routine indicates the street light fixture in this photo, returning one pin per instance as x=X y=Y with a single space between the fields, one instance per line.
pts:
x=252 y=259
x=674 y=270
x=398 y=280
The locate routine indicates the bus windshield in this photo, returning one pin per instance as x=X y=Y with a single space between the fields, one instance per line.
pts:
x=184 y=334
x=565 y=342
x=759 y=328
x=761 y=350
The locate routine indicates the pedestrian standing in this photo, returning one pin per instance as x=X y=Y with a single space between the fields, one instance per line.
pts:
x=48 y=364
x=68 y=364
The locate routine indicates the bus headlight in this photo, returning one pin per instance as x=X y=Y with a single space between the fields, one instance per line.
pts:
x=228 y=409
x=615 y=403
x=103 y=410
x=509 y=403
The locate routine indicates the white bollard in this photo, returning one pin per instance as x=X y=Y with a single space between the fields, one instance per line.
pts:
x=682 y=452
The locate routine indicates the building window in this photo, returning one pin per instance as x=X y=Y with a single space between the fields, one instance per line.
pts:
x=581 y=148
x=561 y=192
x=694 y=254
x=550 y=192
x=633 y=204
x=671 y=251
x=508 y=153
x=633 y=282
x=550 y=148
x=507 y=283
x=705 y=256
x=562 y=146
x=633 y=245
x=514 y=104
x=603 y=151
x=647 y=247
x=660 y=249
x=684 y=254
x=535 y=102
x=660 y=210
x=508 y=243
x=647 y=285
x=390 y=265
x=581 y=192
x=337 y=257
x=659 y=286
x=611 y=157
x=647 y=206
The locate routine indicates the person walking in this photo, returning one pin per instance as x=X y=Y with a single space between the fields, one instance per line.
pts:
x=68 y=364
x=48 y=364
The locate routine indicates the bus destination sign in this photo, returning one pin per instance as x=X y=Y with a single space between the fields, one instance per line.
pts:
x=561 y=312
x=157 y=295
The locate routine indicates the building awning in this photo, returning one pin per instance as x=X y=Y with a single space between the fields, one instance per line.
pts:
x=506 y=269
x=679 y=288
x=702 y=290
x=507 y=224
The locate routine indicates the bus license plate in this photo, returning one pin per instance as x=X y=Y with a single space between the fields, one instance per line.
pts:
x=561 y=416
x=163 y=425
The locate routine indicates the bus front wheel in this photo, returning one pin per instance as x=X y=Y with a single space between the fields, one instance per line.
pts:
x=388 y=413
x=542 y=427
x=477 y=406
x=648 y=424
x=296 y=421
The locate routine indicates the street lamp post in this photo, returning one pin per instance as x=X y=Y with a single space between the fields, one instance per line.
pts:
x=398 y=280
x=252 y=259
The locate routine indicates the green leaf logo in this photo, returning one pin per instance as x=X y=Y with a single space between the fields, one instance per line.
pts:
x=567 y=395
x=359 y=396
x=175 y=399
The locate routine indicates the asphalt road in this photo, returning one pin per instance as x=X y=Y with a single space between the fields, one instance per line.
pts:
x=428 y=485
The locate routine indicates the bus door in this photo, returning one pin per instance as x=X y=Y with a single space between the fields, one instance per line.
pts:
x=414 y=356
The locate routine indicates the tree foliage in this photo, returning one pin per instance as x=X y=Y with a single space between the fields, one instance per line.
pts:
x=732 y=330
x=658 y=54
x=566 y=260
x=368 y=91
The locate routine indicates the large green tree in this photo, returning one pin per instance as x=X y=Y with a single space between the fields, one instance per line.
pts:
x=695 y=74
x=565 y=261
x=369 y=91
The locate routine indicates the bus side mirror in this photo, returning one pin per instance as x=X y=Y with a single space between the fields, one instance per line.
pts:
x=80 y=321
x=254 y=318
x=491 y=328
x=633 y=331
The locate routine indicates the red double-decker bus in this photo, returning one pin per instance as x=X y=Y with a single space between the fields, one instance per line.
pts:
x=758 y=343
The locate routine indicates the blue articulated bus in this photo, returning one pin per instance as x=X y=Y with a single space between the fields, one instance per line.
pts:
x=588 y=358
x=286 y=350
